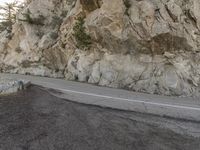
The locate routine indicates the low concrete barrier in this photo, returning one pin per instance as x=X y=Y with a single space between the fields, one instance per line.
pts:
x=8 y=86
x=182 y=108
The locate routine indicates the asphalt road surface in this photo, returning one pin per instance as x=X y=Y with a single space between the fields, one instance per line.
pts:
x=36 y=120
x=176 y=107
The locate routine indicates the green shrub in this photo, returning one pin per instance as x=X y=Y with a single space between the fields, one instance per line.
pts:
x=18 y=50
x=83 y=39
x=39 y=33
x=54 y=35
x=29 y=19
x=64 y=13
x=127 y=5
x=8 y=12
x=5 y=25
x=56 y=21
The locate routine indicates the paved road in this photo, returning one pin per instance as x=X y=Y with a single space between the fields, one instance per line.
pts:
x=35 y=120
x=184 y=108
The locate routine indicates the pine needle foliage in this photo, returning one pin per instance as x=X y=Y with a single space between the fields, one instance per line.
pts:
x=83 y=39
x=27 y=17
x=8 y=12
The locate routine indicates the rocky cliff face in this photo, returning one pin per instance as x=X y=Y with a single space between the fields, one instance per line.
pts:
x=148 y=46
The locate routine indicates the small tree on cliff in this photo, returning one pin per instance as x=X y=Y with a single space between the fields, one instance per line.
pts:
x=8 y=13
x=83 y=39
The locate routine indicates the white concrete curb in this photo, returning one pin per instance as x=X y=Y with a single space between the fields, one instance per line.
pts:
x=8 y=86
x=182 y=108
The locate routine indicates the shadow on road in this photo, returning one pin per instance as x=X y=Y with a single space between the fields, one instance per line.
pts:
x=35 y=120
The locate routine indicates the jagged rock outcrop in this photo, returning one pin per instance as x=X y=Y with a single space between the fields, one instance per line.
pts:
x=146 y=46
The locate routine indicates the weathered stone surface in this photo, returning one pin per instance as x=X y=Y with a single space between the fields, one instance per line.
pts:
x=8 y=86
x=146 y=46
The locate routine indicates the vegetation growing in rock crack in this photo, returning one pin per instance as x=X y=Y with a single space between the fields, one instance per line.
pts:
x=83 y=39
x=56 y=21
x=54 y=35
x=8 y=12
x=29 y=19
x=127 y=5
